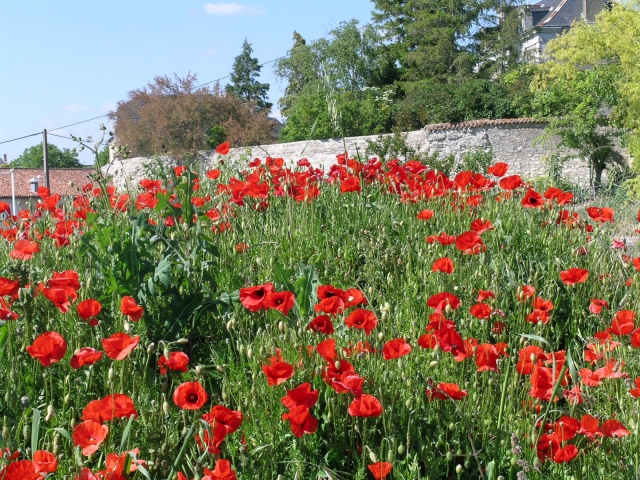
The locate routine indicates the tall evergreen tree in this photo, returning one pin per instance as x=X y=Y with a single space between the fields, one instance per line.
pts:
x=244 y=79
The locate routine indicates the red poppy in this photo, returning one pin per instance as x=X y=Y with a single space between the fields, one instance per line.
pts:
x=425 y=215
x=566 y=454
x=622 y=323
x=220 y=415
x=480 y=226
x=24 y=250
x=277 y=372
x=635 y=392
x=281 y=301
x=365 y=406
x=129 y=307
x=380 y=470
x=45 y=462
x=596 y=305
x=499 y=169
x=115 y=463
x=566 y=428
x=301 y=421
x=85 y=356
x=445 y=391
x=353 y=297
x=395 y=349
x=440 y=301
x=301 y=395
x=190 y=396
x=613 y=428
x=486 y=357
x=481 y=310
x=88 y=310
x=574 y=275
x=89 y=436
x=511 y=183
x=252 y=298
x=21 y=470
x=223 y=471
x=48 y=348
x=9 y=288
x=6 y=314
x=333 y=305
x=177 y=362
x=635 y=338
x=444 y=265
x=213 y=174
x=362 y=319
x=532 y=199
x=327 y=350
x=119 y=345
x=529 y=357
x=428 y=341
x=211 y=443
x=321 y=324
x=223 y=148
x=601 y=215
x=113 y=406
x=589 y=427
x=350 y=184
x=469 y=242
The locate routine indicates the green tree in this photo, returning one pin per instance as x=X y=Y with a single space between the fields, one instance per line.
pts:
x=32 y=158
x=594 y=70
x=337 y=87
x=450 y=40
x=244 y=79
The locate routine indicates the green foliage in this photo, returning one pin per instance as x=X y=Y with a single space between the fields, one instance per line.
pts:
x=477 y=160
x=387 y=147
x=32 y=157
x=594 y=69
x=244 y=79
x=215 y=136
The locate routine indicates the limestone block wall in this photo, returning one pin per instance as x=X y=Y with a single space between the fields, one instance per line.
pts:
x=514 y=141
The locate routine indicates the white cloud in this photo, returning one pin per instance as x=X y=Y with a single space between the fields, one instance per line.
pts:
x=76 y=107
x=231 y=9
x=109 y=107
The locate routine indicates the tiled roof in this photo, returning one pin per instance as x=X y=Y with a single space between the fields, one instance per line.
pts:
x=482 y=123
x=60 y=179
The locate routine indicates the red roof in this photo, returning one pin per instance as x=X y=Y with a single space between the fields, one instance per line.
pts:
x=63 y=181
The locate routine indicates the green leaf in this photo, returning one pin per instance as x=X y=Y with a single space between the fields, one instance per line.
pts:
x=4 y=331
x=35 y=430
x=162 y=272
x=305 y=288
x=491 y=470
x=125 y=434
x=64 y=433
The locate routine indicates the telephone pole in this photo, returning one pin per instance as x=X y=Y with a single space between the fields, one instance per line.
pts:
x=45 y=158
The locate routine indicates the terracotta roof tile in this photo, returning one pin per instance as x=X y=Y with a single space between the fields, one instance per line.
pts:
x=59 y=179
x=482 y=123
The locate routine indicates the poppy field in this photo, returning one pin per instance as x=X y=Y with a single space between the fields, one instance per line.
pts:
x=369 y=321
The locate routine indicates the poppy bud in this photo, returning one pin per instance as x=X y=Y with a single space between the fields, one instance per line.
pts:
x=220 y=368
x=198 y=369
x=249 y=353
x=151 y=348
x=400 y=449
x=50 y=412
x=127 y=326
x=373 y=457
x=384 y=315
x=67 y=398
x=449 y=456
x=12 y=375
x=370 y=291
x=458 y=469
x=337 y=364
x=165 y=386
x=448 y=308
x=381 y=334
x=433 y=363
x=182 y=341
x=281 y=326
x=111 y=374
x=229 y=325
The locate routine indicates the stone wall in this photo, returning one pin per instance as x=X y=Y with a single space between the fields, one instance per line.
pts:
x=514 y=141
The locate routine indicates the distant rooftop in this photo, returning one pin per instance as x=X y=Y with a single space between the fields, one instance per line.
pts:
x=63 y=181
x=482 y=123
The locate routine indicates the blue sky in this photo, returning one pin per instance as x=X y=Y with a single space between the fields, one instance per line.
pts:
x=63 y=61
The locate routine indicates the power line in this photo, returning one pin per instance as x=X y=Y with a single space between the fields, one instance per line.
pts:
x=20 y=138
x=60 y=136
x=195 y=86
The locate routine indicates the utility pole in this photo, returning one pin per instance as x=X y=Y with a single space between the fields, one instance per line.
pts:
x=45 y=158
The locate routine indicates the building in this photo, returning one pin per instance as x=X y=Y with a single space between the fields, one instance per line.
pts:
x=547 y=19
x=18 y=186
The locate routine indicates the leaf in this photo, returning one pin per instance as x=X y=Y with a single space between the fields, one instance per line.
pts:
x=4 y=331
x=305 y=288
x=125 y=434
x=176 y=464
x=162 y=272
x=64 y=433
x=35 y=429
x=537 y=338
x=491 y=470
